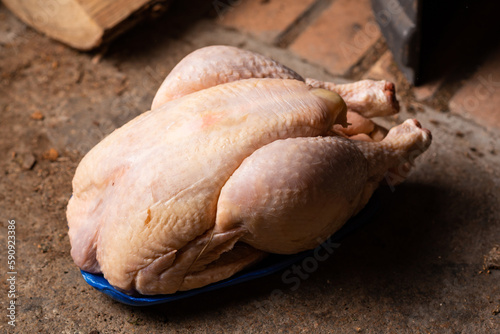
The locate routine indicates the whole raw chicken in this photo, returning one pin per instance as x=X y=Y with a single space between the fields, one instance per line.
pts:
x=239 y=156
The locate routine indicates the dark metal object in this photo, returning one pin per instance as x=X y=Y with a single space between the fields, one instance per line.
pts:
x=431 y=39
x=400 y=22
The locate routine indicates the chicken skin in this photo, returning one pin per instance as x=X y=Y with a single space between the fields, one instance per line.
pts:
x=238 y=157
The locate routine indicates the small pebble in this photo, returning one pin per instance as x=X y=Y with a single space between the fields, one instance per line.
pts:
x=51 y=155
x=37 y=115
x=27 y=161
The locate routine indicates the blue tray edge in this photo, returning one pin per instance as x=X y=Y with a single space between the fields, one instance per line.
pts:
x=278 y=262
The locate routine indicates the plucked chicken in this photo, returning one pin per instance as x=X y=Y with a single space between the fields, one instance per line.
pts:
x=238 y=157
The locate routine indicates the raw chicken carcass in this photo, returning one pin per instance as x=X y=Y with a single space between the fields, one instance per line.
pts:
x=239 y=157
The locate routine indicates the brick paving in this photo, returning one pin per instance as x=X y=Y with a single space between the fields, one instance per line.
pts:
x=340 y=35
x=266 y=20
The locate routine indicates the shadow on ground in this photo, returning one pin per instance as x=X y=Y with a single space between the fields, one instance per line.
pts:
x=406 y=258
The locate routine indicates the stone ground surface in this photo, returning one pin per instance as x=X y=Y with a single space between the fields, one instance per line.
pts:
x=418 y=267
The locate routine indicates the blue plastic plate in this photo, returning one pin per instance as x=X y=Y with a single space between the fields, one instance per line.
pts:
x=270 y=265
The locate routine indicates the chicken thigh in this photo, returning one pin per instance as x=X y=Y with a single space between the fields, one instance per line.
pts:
x=239 y=157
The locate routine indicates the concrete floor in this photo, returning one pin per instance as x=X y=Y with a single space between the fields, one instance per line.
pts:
x=417 y=267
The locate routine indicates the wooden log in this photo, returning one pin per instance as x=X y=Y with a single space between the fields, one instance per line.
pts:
x=84 y=24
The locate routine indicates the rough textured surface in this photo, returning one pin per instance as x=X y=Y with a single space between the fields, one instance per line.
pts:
x=415 y=268
x=350 y=28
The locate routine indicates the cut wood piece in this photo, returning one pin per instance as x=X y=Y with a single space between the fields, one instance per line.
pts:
x=83 y=24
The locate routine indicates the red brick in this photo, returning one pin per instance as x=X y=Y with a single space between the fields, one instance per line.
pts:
x=340 y=37
x=383 y=69
x=265 y=20
x=479 y=97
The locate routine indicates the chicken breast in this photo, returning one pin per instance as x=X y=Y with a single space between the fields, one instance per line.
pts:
x=238 y=157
